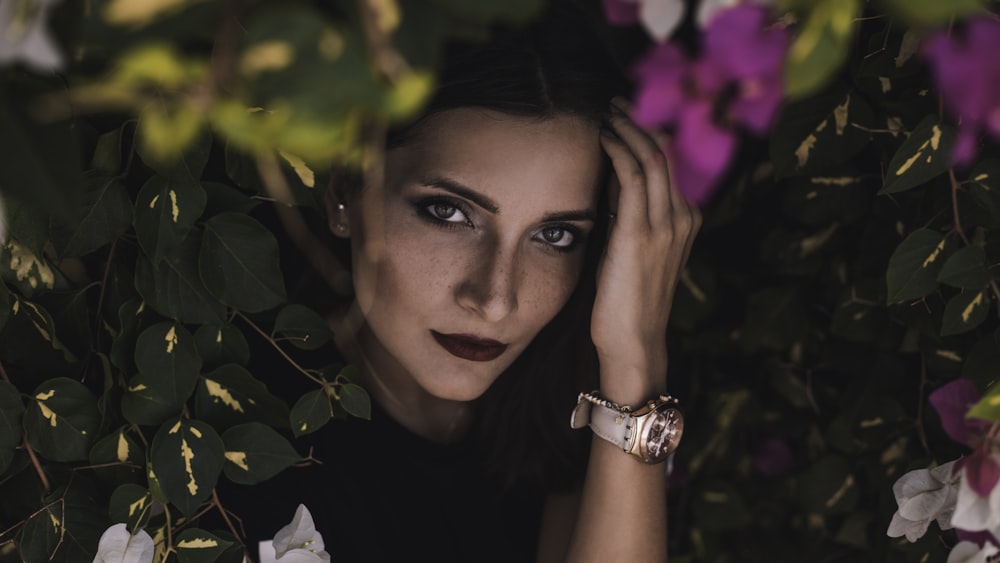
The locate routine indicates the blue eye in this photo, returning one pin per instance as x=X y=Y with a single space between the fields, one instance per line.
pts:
x=563 y=238
x=445 y=212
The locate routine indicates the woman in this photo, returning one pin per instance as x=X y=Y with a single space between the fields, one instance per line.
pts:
x=474 y=267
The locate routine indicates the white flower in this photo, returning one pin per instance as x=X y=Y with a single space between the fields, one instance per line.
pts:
x=23 y=37
x=299 y=542
x=969 y=552
x=975 y=513
x=119 y=546
x=924 y=495
x=708 y=8
x=661 y=17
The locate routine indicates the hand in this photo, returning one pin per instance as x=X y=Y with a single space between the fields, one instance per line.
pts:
x=650 y=235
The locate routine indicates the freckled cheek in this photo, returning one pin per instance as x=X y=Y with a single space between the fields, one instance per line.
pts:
x=547 y=286
x=415 y=272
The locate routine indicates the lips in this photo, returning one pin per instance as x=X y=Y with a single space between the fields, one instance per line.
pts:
x=470 y=347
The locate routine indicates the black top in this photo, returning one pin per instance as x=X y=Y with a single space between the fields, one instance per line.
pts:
x=383 y=493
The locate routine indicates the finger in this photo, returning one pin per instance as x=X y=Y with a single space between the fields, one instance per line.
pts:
x=652 y=162
x=630 y=204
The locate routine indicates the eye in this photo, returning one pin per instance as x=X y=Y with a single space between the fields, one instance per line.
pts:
x=446 y=212
x=558 y=237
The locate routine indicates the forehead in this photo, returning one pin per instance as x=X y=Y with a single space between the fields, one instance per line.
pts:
x=548 y=164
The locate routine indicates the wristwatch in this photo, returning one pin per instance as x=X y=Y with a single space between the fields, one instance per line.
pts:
x=650 y=432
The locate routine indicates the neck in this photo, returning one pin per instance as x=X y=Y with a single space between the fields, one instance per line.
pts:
x=438 y=420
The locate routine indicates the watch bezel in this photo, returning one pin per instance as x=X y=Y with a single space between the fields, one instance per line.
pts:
x=644 y=421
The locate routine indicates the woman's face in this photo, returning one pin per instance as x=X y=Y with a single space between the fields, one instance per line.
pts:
x=474 y=243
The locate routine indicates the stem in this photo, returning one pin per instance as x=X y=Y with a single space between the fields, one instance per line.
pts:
x=954 y=205
x=37 y=464
x=389 y=62
x=921 y=433
x=284 y=354
x=229 y=523
x=31 y=453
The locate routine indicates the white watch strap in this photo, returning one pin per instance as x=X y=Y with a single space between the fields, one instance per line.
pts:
x=609 y=424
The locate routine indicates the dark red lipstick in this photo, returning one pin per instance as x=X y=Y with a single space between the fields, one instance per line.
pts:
x=470 y=347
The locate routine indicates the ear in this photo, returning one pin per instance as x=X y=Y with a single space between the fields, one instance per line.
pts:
x=337 y=218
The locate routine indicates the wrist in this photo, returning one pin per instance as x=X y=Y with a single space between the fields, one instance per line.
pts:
x=630 y=382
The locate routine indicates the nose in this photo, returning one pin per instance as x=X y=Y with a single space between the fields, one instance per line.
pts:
x=490 y=288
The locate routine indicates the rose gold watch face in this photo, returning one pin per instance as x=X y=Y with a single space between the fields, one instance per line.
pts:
x=664 y=434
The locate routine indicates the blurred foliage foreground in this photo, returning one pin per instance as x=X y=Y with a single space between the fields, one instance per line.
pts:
x=845 y=270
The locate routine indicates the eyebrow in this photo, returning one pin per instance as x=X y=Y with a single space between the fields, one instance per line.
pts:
x=491 y=206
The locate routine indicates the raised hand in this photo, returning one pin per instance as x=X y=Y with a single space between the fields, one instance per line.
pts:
x=651 y=232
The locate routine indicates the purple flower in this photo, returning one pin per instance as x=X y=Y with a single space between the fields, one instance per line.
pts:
x=621 y=12
x=737 y=83
x=952 y=401
x=978 y=492
x=967 y=74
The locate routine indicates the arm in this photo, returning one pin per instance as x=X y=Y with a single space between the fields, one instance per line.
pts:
x=622 y=514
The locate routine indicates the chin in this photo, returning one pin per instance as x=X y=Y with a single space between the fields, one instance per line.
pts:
x=461 y=382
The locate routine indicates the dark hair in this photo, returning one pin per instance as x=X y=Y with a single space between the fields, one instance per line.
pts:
x=554 y=66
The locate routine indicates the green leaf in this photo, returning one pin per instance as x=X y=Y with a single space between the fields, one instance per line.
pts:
x=815 y=137
x=165 y=212
x=118 y=447
x=174 y=288
x=108 y=152
x=221 y=345
x=821 y=46
x=255 y=453
x=104 y=215
x=922 y=157
x=77 y=523
x=935 y=12
x=302 y=327
x=829 y=487
x=965 y=311
x=42 y=162
x=310 y=413
x=984 y=187
x=355 y=401
x=41 y=534
x=131 y=504
x=168 y=365
x=167 y=350
x=988 y=407
x=239 y=263
x=914 y=265
x=36 y=335
x=25 y=269
x=62 y=419
x=11 y=410
x=231 y=395
x=123 y=346
x=188 y=456
x=198 y=546
x=965 y=269
x=186 y=168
